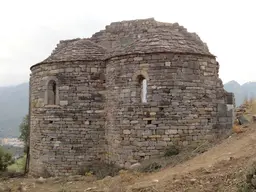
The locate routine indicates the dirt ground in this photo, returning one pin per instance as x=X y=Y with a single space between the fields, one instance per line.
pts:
x=221 y=168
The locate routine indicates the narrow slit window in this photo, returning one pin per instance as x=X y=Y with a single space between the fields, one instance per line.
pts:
x=144 y=91
x=51 y=93
x=143 y=88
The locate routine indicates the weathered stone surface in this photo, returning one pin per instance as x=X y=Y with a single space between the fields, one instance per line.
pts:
x=97 y=113
x=135 y=166
x=40 y=180
x=62 y=103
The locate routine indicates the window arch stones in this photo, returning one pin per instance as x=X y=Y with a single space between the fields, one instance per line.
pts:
x=141 y=78
x=52 y=91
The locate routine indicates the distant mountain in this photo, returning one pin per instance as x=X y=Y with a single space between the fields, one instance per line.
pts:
x=241 y=92
x=13 y=107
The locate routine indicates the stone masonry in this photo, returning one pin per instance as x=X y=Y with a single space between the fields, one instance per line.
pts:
x=86 y=97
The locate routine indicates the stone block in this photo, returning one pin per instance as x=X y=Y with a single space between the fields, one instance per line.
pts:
x=134 y=122
x=149 y=118
x=69 y=70
x=222 y=109
x=94 y=70
x=161 y=144
x=138 y=58
x=64 y=88
x=152 y=113
x=167 y=63
x=171 y=132
x=160 y=132
x=127 y=132
x=63 y=103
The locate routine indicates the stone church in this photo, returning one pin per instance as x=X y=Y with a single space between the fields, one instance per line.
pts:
x=123 y=96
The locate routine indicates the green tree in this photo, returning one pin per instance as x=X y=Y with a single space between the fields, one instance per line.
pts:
x=5 y=159
x=24 y=132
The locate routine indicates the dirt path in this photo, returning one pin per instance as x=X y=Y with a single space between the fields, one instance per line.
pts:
x=236 y=146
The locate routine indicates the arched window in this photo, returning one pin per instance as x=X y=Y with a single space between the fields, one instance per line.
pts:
x=143 y=87
x=51 y=93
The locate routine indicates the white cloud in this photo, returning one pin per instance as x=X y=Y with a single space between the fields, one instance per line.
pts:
x=30 y=29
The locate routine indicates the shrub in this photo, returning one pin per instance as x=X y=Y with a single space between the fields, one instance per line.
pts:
x=5 y=159
x=100 y=170
x=245 y=187
x=249 y=184
x=150 y=167
x=18 y=165
x=171 y=150
x=24 y=132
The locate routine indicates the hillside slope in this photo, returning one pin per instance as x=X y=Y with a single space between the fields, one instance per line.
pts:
x=14 y=106
x=227 y=161
x=222 y=168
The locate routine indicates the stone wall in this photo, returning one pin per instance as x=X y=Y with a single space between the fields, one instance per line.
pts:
x=67 y=135
x=181 y=107
x=100 y=117
x=225 y=110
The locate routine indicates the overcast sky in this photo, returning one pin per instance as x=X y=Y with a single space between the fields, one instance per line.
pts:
x=30 y=29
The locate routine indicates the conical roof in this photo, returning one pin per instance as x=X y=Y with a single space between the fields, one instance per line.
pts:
x=78 y=49
x=129 y=37
x=164 y=39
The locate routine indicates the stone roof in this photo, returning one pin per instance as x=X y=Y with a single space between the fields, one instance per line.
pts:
x=149 y=35
x=163 y=42
x=128 y=37
x=76 y=49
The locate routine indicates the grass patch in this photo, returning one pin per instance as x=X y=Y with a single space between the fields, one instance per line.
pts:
x=100 y=170
x=18 y=166
x=245 y=187
x=249 y=184
x=171 y=150
x=173 y=156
